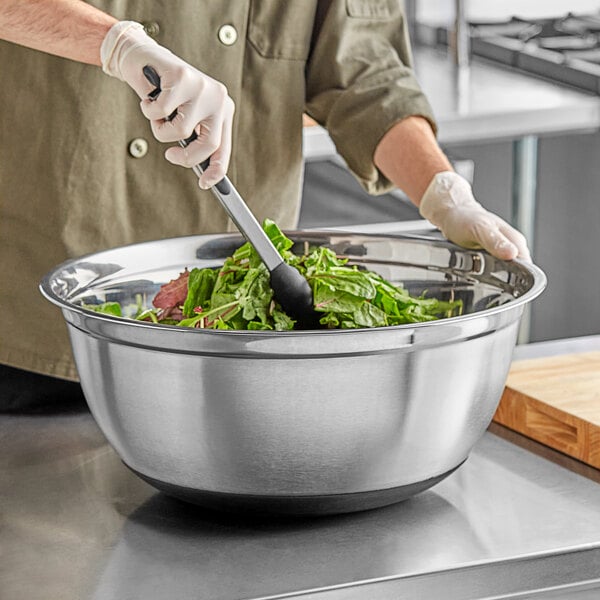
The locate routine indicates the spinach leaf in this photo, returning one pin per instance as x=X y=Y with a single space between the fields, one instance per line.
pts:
x=108 y=308
x=255 y=294
x=200 y=285
x=239 y=295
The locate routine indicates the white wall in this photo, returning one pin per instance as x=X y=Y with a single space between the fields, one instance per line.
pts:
x=442 y=11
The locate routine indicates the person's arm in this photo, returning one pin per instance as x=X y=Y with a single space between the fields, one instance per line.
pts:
x=409 y=156
x=76 y=30
x=362 y=88
x=69 y=28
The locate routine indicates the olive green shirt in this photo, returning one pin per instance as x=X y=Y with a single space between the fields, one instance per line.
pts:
x=80 y=170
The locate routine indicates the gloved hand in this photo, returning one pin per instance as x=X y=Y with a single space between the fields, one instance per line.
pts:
x=202 y=103
x=448 y=203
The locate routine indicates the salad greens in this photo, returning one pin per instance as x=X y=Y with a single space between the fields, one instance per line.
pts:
x=238 y=295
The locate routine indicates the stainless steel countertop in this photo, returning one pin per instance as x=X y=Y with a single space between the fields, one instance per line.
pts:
x=76 y=524
x=488 y=103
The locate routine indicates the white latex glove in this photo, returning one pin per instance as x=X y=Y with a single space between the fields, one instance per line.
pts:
x=202 y=103
x=448 y=203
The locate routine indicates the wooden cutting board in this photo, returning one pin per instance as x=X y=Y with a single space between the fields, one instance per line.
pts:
x=556 y=401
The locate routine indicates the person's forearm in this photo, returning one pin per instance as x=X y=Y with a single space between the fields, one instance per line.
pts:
x=409 y=156
x=68 y=28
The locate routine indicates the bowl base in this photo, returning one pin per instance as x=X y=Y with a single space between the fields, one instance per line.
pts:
x=293 y=505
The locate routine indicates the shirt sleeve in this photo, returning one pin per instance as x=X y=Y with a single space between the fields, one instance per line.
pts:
x=360 y=80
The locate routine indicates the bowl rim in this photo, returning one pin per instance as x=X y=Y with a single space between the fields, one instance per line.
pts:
x=538 y=275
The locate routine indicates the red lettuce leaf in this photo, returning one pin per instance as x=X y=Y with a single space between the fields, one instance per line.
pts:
x=173 y=293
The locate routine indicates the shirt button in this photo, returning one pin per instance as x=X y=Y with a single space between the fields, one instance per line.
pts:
x=138 y=148
x=228 y=35
x=152 y=28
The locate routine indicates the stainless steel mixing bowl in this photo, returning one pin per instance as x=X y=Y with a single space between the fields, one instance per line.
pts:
x=300 y=421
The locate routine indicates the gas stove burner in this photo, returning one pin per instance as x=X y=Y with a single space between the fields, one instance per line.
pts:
x=567 y=42
x=554 y=34
x=515 y=28
x=588 y=56
x=580 y=25
x=565 y=49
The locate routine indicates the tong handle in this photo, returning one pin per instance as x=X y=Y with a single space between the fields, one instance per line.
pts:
x=227 y=195
x=153 y=77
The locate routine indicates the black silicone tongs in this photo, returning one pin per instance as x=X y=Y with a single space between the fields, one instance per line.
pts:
x=291 y=289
